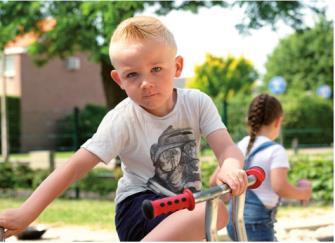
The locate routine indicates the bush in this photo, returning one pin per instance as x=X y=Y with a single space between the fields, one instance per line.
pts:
x=317 y=169
x=20 y=176
x=14 y=122
x=207 y=169
x=7 y=178
x=89 y=120
x=39 y=175
x=101 y=181
x=237 y=113
x=23 y=175
x=308 y=118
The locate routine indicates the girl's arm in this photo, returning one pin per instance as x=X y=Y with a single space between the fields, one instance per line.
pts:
x=230 y=159
x=79 y=164
x=281 y=185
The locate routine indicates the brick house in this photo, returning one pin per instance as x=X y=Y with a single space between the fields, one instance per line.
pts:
x=50 y=92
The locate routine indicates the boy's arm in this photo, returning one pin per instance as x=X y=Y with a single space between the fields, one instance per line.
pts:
x=231 y=161
x=56 y=183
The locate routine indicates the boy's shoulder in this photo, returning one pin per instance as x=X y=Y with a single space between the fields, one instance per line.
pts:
x=190 y=91
x=192 y=94
x=124 y=104
x=121 y=110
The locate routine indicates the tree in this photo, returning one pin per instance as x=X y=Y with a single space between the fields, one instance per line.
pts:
x=261 y=13
x=223 y=78
x=87 y=26
x=304 y=59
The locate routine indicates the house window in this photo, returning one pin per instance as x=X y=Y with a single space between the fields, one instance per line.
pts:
x=9 y=66
x=72 y=63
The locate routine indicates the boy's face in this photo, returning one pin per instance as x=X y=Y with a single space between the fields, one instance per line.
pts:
x=146 y=71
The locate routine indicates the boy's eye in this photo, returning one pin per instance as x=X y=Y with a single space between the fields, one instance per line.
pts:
x=131 y=75
x=156 y=69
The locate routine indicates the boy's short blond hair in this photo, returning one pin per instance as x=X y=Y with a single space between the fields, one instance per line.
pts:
x=142 y=28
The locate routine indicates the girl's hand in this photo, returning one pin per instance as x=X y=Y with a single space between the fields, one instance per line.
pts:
x=236 y=178
x=12 y=221
x=306 y=186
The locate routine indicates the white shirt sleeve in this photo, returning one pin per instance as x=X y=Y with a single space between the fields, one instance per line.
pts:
x=109 y=138
x=279 y=158
x=210 y=119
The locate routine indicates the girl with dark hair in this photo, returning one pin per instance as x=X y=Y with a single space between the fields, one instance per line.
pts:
x=264 y=121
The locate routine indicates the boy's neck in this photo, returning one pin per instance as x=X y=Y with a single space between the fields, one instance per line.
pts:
x=170 y=106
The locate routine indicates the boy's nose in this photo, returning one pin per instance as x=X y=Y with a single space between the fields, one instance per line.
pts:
x=146 y=84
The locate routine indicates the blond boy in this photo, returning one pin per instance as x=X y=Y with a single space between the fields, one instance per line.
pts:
x=156 y=132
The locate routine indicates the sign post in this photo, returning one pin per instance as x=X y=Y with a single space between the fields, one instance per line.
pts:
x=277 y=85
x=324 y=91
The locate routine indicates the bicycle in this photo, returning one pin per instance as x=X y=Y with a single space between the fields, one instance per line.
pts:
x=187 y=200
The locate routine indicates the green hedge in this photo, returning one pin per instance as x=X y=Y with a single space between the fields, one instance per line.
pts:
x=237 y=113
x=319 y=170
x=316 y=168
x=89 y=119
x=14 y=122
x=101 y=181
x=307 y=117
x=20 y=176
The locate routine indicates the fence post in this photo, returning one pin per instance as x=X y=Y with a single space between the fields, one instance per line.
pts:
x=295 y=145
x=76 y=140
x=225 y=113
x=76 y=128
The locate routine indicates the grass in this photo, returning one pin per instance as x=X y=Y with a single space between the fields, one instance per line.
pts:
x=99 y=214
x=206 y=154
x=25 y=156
x=94 y=214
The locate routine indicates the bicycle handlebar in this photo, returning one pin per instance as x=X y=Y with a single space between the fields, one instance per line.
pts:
x=152 y=209
x=187 y=199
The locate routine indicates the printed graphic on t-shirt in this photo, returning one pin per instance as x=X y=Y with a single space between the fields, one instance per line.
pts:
x=174 y=157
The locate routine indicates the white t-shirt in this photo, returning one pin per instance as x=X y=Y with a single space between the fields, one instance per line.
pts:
x=160 y=149
x=270 y=158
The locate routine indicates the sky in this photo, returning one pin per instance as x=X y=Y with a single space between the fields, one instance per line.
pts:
x=213 y=31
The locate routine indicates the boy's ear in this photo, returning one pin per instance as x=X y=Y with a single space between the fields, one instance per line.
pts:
x=179 y=65
x=116 y=77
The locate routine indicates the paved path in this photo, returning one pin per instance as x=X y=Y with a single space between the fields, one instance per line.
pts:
x=313 y=227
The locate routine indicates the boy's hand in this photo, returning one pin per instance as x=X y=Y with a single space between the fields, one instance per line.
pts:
x=236 y=178
x=13 y=222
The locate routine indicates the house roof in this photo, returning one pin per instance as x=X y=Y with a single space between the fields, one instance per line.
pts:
x=24 y=40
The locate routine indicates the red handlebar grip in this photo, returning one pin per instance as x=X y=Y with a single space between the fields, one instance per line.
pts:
x=259 y=173
x=152 y=209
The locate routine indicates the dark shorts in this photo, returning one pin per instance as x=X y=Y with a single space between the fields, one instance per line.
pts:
x=131 y=225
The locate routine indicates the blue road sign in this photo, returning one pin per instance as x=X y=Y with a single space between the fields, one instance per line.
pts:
x=324 y=91
x=277 y=85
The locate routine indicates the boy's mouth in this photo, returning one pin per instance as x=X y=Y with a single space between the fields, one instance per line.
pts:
x=149 y=95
